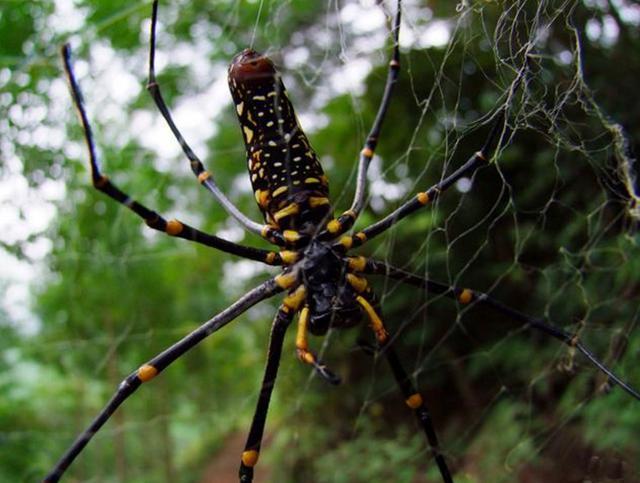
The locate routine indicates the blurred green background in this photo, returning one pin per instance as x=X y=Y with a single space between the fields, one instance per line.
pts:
x=550 y=228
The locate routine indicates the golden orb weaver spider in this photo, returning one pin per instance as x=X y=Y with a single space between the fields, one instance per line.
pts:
x=324 y=286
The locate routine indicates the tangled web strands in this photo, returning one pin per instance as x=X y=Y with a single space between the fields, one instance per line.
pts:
x=549 y=227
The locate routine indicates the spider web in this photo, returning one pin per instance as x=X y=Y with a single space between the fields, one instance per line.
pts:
x=549 y=227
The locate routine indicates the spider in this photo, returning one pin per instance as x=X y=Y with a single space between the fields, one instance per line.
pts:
x=324 y=286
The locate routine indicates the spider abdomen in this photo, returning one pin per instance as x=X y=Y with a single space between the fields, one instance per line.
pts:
x=289 y=184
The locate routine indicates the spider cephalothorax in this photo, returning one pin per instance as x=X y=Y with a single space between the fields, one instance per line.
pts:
x=324 y=286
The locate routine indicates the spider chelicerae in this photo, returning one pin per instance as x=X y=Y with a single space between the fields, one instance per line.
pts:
x=324 y=286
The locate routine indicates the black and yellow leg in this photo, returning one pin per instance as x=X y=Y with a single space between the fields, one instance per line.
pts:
x=251 y=451
x=382 y=336
x=151 y=218
x=415 y=401
x=374 y=134
x=412 y=398
x=338 y=226
x=306 y=355
x=204 y=177
x=478 y=159
x=151 y=369
x=466 y=296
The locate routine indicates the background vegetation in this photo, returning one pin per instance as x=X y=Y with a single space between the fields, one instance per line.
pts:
x=549 y=228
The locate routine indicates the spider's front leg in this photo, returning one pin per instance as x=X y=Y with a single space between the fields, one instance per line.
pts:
x=283 y=318
x=152 y=218
x=153 y=367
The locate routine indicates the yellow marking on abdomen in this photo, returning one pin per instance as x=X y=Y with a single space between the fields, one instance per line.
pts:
x=280 y=190
x=239 y=108
x=292 y=209
x=315 y=201
x=248 y=132
x=262 y=198
x=147 y=372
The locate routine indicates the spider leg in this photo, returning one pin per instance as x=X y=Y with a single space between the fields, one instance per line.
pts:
x=279 y=328
x=347 y=219
x=204 y=177
x=151 y=218
x=306 y=355
x=413 y=398
x=478 y=159
x=466 y=296
x=153 y=367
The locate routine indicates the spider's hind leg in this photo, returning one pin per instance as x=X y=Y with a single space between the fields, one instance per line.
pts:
x=412 y=397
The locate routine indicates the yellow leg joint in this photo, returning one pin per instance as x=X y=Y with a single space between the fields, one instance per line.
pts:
x=147 y=372
x=295 y=299
x=286 y=280
x=101 y=181
x=346 y=241
x=465 y=296
x=289 y=257
x=414 y=401
x=359 y=284
x=270 y=258
x=202 y=177
x=376 y=321
x=334 y=226
x=250 y=457
x=367 y=153
x=174 y=227
x=357 y=264
x=423 y=198
x=291 y=236
x=361 y=236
